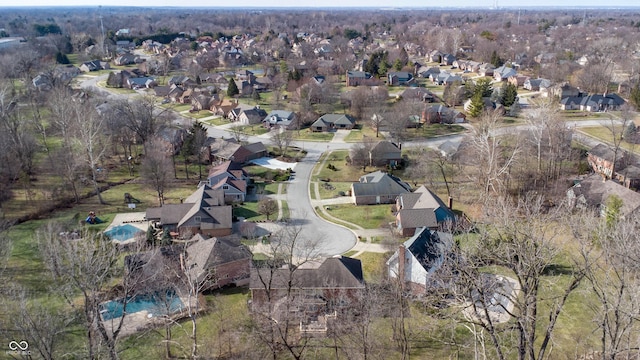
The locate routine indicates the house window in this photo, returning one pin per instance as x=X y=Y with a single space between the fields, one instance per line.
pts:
x=225 y=187
x=197 y=219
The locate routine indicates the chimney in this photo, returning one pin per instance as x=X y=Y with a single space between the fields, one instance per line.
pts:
x=450 y=203
x=401 y=264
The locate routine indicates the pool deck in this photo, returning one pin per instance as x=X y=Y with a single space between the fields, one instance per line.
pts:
x=137 y=219
x=140 y=321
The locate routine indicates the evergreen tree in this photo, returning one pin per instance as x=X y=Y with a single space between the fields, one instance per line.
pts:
x=630 y=133
x=509 y=94
x=484 y=87
x=232 y=90
x=496 y=60
x=62 y=58
x=477 y=105
x=397 y=65
x=634 y=96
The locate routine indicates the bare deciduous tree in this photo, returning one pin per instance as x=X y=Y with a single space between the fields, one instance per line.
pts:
x=87 y=265
x=156 y=167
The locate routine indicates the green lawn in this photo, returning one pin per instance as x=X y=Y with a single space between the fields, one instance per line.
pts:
x=433 y=130
x=253 y=129
x=604 y=134
x=217 y=121
x=220 y=330
x=343 y=172
x=326 y=191
x=357 y=135
x=367 y=216
x=308 y=135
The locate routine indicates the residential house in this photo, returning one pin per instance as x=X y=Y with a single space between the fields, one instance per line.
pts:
x=355 y=78
x=203 y=212
x=486 y=69
x=231 y=178
x=593 y=192
x=222 y=149
x=418 y=93
x=182 y=81
x=517 y=80
x=570 y=103
x=561 y=91
x=440 y=114
x=435 y=56
x=536 y=84
x=418 y=258
x=252 y=116
x=245 y=75
x=213 y=262
x=125 y=59
x=447 y=59
x=422 y=209
x=328 y=122
x=378 y=188
x=42 y=82
x=426 y=72
x=310 y=293
x=223 y=107
x=385 y=153
x=145 y=82
x=606 y=102
x=234 y=114
x=280 y=118
x=94 y=65
x=172 y=138
x=503 y=73
x=218 y=262
x=399 y=78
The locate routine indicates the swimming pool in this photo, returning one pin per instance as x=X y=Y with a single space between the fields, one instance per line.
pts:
x=122 y=232
x=158 y=303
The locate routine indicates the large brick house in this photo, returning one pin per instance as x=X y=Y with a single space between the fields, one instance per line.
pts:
x=308 y=293
x=203 y=212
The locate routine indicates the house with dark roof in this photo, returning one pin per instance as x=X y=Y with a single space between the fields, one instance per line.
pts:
x=328 y=122
x=503 y=73
x=422 y=209
x=399 y=78
x=203 y=212
x=536 y=84
x=252 y=116
x=601 y=160
x=378 y=188
x=231 y=178
x=310 y=293
x=212 y=262
x=606 y=102
x=385 y=153
x=355 y=78
x=594 y=193
x=221 y=261
x=229 y=149
x=441 y=114
x=280 y=118
x=418 y=258
x=418 y=93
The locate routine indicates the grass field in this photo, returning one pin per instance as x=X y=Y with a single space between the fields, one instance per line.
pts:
x=367 y=216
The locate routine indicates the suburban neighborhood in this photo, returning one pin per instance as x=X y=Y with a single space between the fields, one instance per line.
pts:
x=302 y=184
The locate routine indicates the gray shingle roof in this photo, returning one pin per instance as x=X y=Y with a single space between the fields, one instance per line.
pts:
x=332 y=273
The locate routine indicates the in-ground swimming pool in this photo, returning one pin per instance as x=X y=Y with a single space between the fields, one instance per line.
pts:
x=158 y=303
x=122 y=232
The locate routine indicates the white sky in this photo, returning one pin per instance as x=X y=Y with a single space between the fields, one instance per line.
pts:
x=329 y=3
